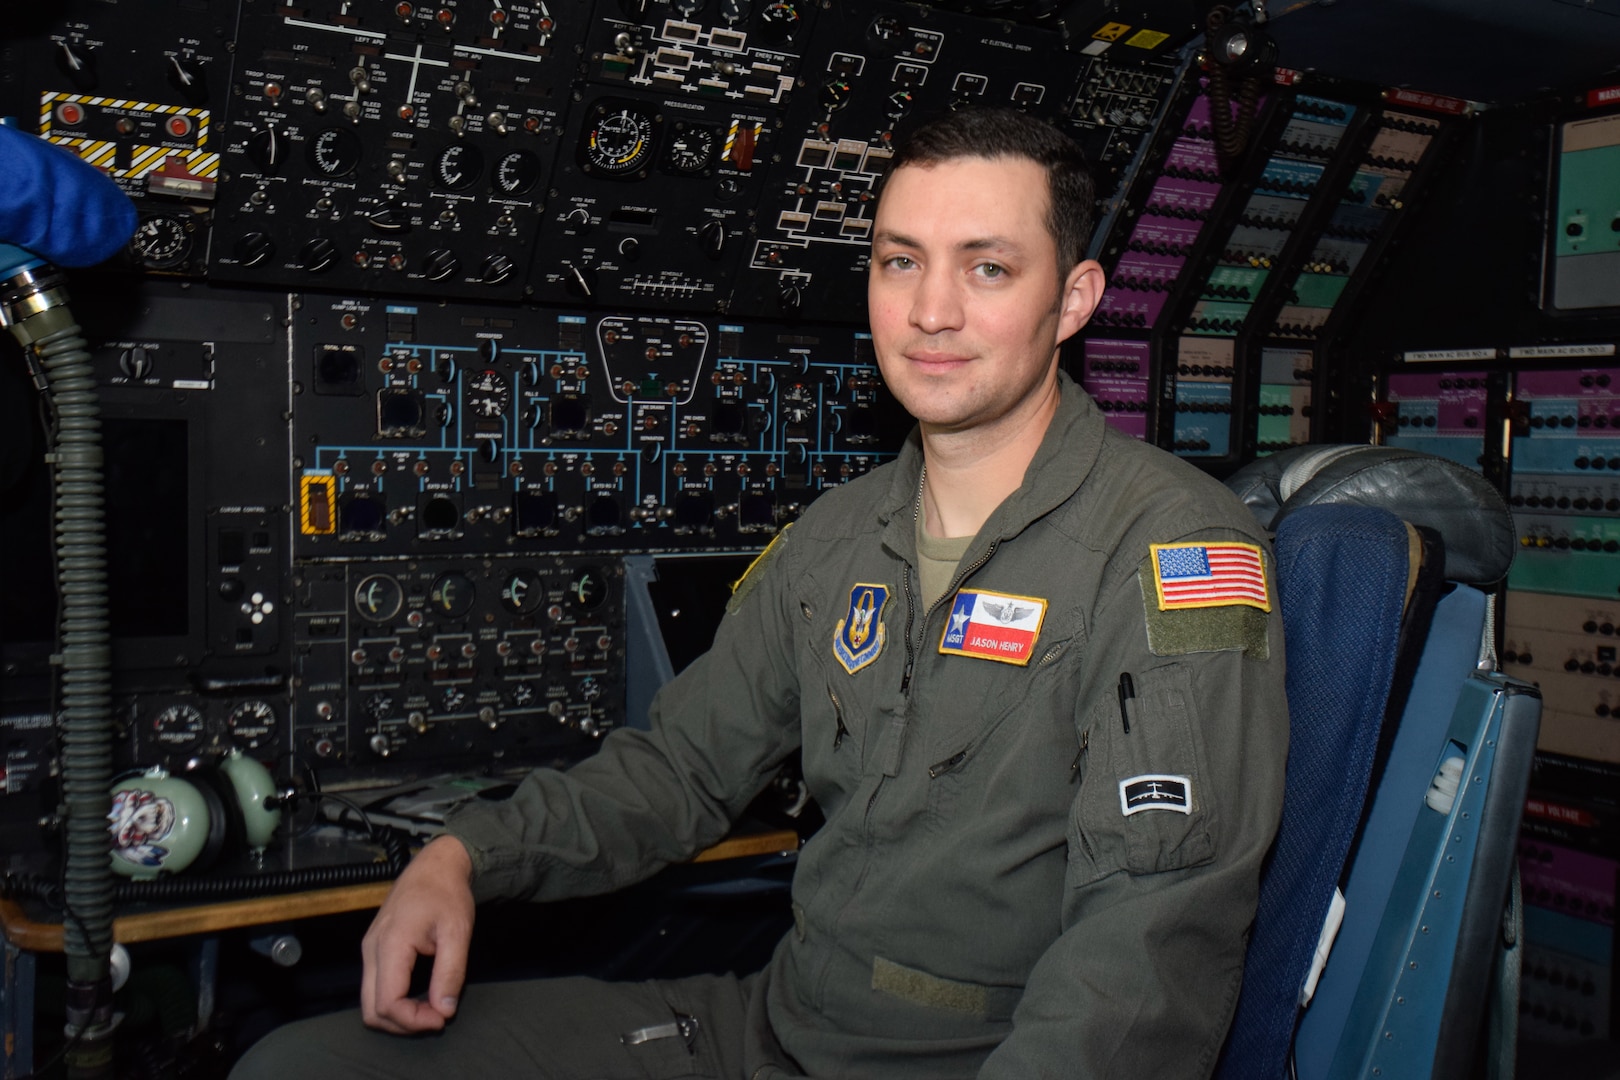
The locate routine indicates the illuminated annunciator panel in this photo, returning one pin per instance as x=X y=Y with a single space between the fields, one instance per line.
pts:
x=1563 y=610
x=1364 y=215
x=1438 y=412
x=1116 y=354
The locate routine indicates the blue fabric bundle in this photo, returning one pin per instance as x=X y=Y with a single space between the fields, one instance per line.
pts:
x=58 y=207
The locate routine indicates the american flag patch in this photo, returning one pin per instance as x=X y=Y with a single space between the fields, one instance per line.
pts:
x=1209 y=575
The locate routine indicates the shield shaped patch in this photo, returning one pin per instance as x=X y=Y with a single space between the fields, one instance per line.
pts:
x=860 y=634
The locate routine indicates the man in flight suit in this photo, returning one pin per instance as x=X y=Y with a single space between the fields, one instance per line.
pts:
x=1035 y=676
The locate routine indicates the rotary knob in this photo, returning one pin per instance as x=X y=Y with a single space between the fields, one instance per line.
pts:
x=318 y=255
x=253 y=249
x=266 y=147
x=78 y=62
x=186 y=76
x=496 y=270
x=439 y=264
x=712 y=237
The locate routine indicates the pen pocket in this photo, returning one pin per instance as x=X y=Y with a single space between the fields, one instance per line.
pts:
x=1143 y=807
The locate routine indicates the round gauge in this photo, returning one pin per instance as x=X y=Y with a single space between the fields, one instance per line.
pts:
x=589 y=589
x=252 y=724
x=620 y=142
x=161 y=241
x=516 y=173
x=779 y=21
x=522 y=592
x=378 y=598
x=798 y=403
x=488 y=394
x=523 y=695
x=334 y=152
x=735 y=12
x=687 y=8
x=179 y=727
x=691 y=151
x=460 y=166
x=452 y=594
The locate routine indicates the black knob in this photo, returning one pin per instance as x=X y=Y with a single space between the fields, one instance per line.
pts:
x=266 y=147
x=439 y=264
x=253 y=249
x=712 y=237
x=186 y=76
x=78 y=63
x=317 y=255
x=230 y=588
x=390 y=219
x=135 y=363
x=791 y=298
x=489 y=450
x=497 y=270
x=630 y=249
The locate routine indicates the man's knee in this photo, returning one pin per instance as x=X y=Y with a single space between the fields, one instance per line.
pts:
x=305 y=1049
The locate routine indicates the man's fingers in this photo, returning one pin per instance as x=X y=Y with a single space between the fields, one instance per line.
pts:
x=452 y=939
x=388 y=980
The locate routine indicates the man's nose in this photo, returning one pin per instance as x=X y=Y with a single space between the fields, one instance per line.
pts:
x=936 y=306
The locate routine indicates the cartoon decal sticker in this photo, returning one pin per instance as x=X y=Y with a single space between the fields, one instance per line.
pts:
x=139 y=820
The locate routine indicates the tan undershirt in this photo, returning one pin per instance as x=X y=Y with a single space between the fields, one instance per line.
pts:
x=937 y=560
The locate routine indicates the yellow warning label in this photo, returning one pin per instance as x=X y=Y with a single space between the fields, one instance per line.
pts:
x=1111 y=31
x=317 y=497
x=133 y=139
x=1147 y=39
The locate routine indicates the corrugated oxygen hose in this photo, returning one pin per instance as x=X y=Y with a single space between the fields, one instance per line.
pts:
x=81 y=552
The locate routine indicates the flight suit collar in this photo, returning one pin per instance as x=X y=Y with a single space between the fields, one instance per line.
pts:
x=1061 y=464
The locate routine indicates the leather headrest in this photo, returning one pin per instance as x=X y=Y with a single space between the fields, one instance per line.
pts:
x=1458 y=503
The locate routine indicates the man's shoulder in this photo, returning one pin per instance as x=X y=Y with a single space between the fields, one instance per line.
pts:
x=853 y=508
x=1136 y=481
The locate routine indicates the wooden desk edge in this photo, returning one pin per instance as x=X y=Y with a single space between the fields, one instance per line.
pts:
x=24 y=933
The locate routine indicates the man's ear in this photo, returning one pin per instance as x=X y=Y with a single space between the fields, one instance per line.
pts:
x=1082 y=292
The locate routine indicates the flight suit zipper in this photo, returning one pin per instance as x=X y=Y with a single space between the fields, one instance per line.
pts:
x=838 y=715
x=911 y=607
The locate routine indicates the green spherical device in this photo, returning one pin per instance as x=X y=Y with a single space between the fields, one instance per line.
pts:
x=158 y=823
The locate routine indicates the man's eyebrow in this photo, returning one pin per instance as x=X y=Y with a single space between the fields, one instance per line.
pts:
x=983 y=243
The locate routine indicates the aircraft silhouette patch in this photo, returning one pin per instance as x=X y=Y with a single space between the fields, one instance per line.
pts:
x=1155 y=791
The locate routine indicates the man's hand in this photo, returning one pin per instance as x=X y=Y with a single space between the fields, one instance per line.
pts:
x=428 y=912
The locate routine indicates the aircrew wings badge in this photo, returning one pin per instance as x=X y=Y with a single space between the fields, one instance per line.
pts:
x=1209 y=575
x=860 y=635
x=993 y=626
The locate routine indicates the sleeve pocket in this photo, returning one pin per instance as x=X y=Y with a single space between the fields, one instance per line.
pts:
x=1142 y=806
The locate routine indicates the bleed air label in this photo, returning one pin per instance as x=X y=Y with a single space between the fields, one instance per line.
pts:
x=993 y=626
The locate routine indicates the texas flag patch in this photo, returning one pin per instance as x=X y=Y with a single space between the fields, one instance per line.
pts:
x=993 y=626
x=1209 y=575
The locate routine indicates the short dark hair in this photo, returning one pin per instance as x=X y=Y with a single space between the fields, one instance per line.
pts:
x=1008 y=133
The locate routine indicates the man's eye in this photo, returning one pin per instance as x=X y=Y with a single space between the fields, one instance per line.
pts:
x=990 y=270
x=900 y=262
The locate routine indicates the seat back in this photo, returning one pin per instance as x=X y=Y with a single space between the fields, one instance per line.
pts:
x=1333 y=562
x=1350 y=773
